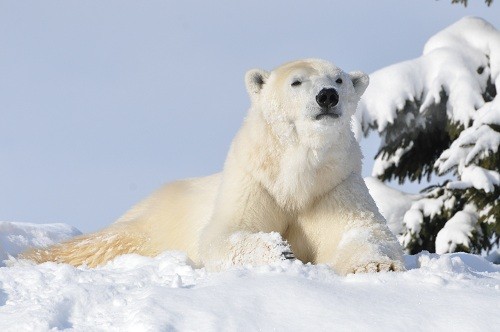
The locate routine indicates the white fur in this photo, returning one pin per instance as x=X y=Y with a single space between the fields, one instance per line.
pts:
x=290 y=182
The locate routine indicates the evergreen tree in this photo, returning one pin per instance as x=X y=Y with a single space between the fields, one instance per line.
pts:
x=465 y=2
x=440 y=114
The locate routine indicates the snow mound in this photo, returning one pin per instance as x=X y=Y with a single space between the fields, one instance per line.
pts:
x=135 y=293
x=165 y=293
x=15 y=237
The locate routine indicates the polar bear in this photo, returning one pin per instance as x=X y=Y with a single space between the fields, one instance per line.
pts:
x=291 y=188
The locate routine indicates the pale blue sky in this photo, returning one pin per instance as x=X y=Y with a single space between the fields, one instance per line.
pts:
x=101 y=102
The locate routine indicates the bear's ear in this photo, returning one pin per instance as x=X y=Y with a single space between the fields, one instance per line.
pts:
x=255 y=80
x=360 y=81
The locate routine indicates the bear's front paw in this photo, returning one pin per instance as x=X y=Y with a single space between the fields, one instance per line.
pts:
x=380 y=267
x=259 y=248
x=244 y=248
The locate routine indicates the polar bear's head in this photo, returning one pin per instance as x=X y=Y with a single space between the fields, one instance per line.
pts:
x=306 y=100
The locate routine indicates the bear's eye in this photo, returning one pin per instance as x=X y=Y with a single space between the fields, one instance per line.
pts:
x=296 y=83
x=339 y=80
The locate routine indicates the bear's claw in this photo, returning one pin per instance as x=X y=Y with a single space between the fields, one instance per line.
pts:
x=288 y=255
x=380 y=267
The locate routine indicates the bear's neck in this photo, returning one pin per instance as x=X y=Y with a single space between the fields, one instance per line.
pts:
x=294 y=173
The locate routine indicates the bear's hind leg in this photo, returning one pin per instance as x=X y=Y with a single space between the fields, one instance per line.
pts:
x=90 y=249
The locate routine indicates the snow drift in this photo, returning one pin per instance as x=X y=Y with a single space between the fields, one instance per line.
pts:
x=135 y=293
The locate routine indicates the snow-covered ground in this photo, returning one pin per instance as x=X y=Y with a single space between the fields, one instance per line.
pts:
x=452 y=292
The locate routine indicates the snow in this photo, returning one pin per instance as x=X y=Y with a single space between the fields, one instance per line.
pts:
x=406 y=211
x=478 y=178
x=391 y=202
x=432 y=206
x=413 y=220
x=457 y=231
x=135 y=293
x=461 y=61
x=16 y=237
x=381 y=164
x=494 y=256
x=450 y=61
x=451 y=87
x=476 y=142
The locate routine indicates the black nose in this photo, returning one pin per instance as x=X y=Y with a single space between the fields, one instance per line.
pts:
x=327 y=98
